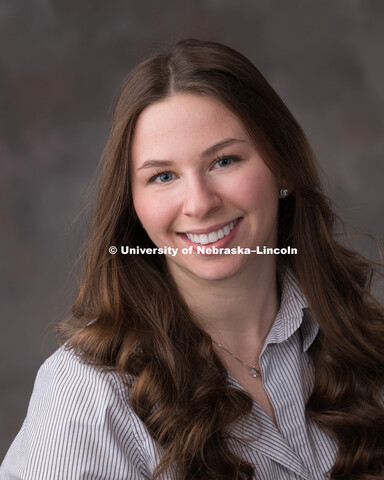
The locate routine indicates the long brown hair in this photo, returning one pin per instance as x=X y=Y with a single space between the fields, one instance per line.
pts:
x=129 y=315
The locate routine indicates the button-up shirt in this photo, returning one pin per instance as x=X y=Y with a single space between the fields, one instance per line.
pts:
x=80 y=424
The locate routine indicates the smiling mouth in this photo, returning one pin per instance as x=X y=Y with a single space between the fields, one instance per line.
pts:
x=212 y=237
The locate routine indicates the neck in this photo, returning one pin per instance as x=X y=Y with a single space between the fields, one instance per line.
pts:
x=237 y=312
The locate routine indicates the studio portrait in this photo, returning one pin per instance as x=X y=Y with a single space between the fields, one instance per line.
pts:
x=192 y=273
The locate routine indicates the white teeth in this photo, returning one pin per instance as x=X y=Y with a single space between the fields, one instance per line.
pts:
x=203 y=239
x=211 y=237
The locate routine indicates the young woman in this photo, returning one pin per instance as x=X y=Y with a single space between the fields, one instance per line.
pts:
x=220 y=331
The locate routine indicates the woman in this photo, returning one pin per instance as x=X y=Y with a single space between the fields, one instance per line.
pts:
x=195 y=353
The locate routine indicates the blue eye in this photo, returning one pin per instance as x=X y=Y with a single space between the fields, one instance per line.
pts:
x=164 y=177
x=226 y=160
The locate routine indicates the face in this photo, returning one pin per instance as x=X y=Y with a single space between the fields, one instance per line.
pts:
x=198 y=180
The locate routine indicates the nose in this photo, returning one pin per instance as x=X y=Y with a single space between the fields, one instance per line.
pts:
x=200 y=198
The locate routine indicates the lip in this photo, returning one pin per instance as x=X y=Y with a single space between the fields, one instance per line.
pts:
x=221 y=243
x=214 y=228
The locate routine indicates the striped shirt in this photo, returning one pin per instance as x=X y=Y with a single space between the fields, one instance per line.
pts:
x=80 y=424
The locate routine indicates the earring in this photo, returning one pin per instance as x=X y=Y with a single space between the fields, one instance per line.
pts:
x=283 y=192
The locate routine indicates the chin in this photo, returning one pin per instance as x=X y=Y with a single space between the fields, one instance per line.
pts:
x=215 y=271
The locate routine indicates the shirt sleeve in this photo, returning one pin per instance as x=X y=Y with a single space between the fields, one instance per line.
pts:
x=78 y=426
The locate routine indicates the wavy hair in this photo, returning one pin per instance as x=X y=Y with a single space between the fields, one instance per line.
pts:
x=130 y=316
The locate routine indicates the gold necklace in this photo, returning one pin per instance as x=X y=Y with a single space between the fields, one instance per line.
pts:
x=253 y=371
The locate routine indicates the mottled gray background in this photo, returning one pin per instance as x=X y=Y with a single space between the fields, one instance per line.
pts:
x=61 y=63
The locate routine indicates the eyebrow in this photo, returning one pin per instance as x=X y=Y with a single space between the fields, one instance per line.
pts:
x=219 y=145
x=206 y=153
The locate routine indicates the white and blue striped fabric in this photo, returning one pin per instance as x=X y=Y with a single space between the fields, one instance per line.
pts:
x=80 y=424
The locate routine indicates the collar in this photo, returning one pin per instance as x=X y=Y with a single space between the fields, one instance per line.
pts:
x=293 y=314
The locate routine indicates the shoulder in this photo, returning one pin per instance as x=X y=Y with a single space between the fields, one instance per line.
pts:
x=79 y=425
x=70 y=382
x=88 y=395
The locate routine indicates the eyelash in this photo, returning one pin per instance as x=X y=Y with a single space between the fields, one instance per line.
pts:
x=233 y=158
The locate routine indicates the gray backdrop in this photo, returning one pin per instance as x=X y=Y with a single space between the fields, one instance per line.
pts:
x=61 y=63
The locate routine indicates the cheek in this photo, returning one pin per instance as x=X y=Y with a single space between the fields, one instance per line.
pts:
x=154 y=213
x=256 y=190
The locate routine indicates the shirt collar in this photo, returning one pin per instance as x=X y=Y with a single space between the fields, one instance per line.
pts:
x=293 y=314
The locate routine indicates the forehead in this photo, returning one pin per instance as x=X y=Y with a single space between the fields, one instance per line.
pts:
x=183 y=124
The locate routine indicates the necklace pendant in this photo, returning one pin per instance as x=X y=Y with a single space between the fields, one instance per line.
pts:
x=254 y=372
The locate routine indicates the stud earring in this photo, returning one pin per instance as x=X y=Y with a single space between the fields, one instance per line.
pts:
x=283 y=192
